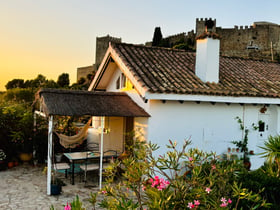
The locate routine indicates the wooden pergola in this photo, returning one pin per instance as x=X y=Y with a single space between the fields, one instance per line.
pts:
x=80 y=103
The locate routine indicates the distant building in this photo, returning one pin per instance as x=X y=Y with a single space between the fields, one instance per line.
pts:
x=102 y=44
x=83 y=72
x=259 y=41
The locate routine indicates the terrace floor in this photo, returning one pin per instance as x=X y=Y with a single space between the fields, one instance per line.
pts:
x=24 y=187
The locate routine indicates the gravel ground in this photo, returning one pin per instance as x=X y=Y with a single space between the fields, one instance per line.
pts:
x=24 y=187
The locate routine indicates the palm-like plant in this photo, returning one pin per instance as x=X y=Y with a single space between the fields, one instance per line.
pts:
x=272 y=151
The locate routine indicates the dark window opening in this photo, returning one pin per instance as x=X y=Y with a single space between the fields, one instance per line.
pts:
x=261 y=126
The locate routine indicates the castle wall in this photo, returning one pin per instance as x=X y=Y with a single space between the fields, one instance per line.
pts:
x=84 y=71
x=102 y=44
x=247 y=41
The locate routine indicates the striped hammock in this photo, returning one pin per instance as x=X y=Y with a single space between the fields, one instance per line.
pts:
x=73 y=141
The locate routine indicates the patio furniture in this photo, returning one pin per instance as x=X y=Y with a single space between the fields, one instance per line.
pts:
x=89 y=165
x=62 y=166
x=86 y=156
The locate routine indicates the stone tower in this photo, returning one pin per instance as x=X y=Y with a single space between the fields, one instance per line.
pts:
x=102 y=44
x=200 y=25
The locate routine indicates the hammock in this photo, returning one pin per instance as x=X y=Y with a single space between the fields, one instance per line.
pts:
x=73 y=141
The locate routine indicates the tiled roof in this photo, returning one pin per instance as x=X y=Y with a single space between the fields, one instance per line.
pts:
x=162 y=70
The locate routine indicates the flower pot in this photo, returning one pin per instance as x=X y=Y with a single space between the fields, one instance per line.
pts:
x=25 y=157
x=58 y=157
x=10 y=164
x=247 y=165
x=55 y=189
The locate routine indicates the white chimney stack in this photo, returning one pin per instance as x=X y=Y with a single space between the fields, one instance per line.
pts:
x=207 y=55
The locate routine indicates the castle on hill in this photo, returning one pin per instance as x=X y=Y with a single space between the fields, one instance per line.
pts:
x=259 y=41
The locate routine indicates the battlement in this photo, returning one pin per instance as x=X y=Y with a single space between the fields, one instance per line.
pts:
x=204 y=19
x=176 y=36
x=108 y=38
x=243 y=27
x=200 y=25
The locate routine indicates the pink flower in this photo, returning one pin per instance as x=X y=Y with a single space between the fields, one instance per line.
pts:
x=223 y=200
x=196 y=202
x=104 y=191
x=208 y=190
x=223 y=205
x=213 y=167
x=67 y=207
x=143 y=188
x=190 y=159
x=159 y=183
x=229 y=200
x=190 y=205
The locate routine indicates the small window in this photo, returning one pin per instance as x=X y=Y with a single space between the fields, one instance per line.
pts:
x=261 y=126
x=118 y=83
x=123 y=81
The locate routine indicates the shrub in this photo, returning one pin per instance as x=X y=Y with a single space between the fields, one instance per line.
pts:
x=262 y=179
x=177 y=180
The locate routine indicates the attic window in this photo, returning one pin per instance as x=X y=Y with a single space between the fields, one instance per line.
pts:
x=118 y=83
x=123 y=83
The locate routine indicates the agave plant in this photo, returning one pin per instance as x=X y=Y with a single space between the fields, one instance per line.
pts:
x=272 y=151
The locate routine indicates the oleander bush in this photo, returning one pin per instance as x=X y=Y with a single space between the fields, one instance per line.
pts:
x=179 y=179
x=183 y=179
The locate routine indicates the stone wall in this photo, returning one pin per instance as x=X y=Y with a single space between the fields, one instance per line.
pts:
x=256 y=41
x=84 y=71
x=102 y=44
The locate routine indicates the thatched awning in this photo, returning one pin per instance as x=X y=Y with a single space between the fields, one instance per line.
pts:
x=79 y=103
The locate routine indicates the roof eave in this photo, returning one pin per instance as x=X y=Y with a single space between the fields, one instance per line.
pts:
x=212 y=98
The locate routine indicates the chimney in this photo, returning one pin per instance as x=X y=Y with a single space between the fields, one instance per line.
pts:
x=207 y=54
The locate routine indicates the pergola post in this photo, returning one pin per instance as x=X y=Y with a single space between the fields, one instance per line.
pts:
x=49 y=173
x=101 y=152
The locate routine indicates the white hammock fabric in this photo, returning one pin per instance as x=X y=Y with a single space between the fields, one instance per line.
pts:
x=73 y=141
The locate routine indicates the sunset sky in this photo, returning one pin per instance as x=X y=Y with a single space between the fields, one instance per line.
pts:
x=51 y=37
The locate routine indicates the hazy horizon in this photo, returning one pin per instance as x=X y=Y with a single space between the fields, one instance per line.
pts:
x=55 y=37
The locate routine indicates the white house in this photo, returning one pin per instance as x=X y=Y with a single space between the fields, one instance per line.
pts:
x=193 y=96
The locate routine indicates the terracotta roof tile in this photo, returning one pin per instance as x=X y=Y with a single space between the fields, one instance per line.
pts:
x=163 y=70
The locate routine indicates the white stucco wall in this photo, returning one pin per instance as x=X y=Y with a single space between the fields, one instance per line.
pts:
x=210 y=127
x=114 y=138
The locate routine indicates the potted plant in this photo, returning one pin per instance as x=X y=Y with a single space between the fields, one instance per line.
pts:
x=3 y=164
x=21 y=136
x=243 y=145
x=56 y=186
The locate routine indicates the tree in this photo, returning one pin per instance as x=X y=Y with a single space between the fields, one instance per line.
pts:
x=157 y=37
x=51 y=84
x=15 y=83
x=39 y=81
x=81 y=81
x=63 y=80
